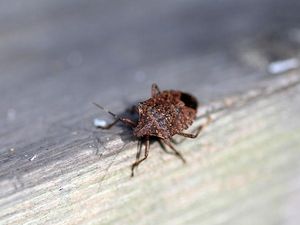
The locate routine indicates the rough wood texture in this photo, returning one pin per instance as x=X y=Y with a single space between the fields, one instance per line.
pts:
x=59 y=56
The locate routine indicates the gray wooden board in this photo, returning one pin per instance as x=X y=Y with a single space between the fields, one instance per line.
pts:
x=57 y=57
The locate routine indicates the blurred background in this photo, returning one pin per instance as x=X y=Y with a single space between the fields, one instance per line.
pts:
x=59 y=56
x=72 y=52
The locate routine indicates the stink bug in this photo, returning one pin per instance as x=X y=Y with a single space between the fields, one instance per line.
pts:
x=162 y=116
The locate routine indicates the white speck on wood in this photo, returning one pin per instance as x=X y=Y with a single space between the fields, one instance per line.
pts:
x=99 y=122
x=282 y=66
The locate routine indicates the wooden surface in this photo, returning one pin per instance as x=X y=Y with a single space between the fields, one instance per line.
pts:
x=57 y=57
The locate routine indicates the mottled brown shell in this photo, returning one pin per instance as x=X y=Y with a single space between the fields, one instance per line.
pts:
x=165 y=114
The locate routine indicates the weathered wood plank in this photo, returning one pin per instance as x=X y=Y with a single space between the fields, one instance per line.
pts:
x=57 y=57
x=244 y=169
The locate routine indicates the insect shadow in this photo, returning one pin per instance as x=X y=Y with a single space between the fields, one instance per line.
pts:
x=159 y=118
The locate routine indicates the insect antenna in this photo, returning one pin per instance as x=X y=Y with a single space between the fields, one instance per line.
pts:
x=104 y=109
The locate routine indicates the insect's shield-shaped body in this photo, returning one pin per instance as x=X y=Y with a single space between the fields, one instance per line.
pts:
x=165 y=114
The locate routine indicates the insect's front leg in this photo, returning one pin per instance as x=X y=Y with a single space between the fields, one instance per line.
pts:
x=126 y=121
x=108 y=126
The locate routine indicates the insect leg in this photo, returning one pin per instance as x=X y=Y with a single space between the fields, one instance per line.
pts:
x=174 y=141
x=162 y=145
x=127 y=121
x=154 y=90
x=199 y=129
x=138 y=161
x=177 y=153
x=139 y=151
x=108 y=126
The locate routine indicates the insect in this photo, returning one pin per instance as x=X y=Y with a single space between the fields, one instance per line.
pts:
x=162 y=116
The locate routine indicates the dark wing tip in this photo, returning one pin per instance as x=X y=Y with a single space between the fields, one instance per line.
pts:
x=189 y=100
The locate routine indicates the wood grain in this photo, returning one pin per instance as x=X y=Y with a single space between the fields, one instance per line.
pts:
x=58 y=57
x=243 y=169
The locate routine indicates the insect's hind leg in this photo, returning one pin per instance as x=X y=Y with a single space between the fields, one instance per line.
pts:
x=138 y=160
x=154 y=90
x=175 y=152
